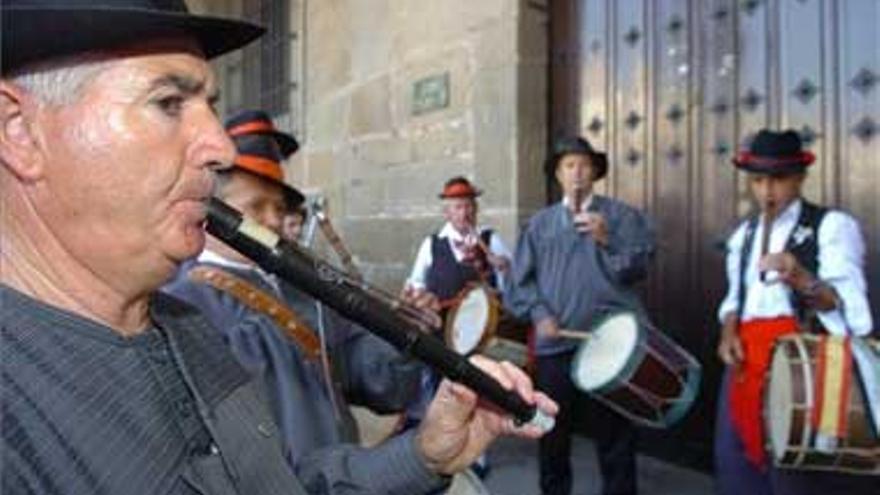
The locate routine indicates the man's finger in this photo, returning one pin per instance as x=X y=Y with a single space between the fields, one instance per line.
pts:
x=738 y=353
x=724 y=354
x=521 y=382
x=495 y=370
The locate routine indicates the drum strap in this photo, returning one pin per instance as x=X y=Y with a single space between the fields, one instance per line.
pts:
x=747 y=388
x=262 y=302
x=833 y=386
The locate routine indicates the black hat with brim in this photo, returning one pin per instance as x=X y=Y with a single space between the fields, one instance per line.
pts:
x=577 y=145
x=258 y=154
x=37 y=30
x=249 y=122
x=774 y=153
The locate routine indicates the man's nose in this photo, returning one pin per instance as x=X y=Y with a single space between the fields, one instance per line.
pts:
x=273 y=219
x=214 y=148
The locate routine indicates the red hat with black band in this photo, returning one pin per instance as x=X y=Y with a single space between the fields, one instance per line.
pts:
x=774 y=153
x=459 y=187
x=260 y=150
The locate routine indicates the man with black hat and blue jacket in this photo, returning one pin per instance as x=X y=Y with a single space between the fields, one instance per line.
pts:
x=575 y=261
x=310 y=389
x=793 y=267
x=108 y=146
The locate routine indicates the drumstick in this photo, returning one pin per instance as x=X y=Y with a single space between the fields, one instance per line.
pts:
x=448 y=303
x=573 y=334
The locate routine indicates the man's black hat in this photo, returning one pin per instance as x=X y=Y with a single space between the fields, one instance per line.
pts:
x=774 y=153
x=577 y=145
x=260 y=149
x=258 y=122
x=35 y=30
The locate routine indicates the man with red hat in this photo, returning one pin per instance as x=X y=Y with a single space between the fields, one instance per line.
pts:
x=108 y=144
x=793 y=267
x=575 y=261
x=460 y=253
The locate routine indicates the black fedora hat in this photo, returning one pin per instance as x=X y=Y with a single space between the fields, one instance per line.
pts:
x=36 y=30
x=260 y=154
x=258 y=122
x=577 y=145
x=774 y=153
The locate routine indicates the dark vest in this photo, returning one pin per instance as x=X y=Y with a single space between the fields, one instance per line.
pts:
x=806 y=252
x=446 y=276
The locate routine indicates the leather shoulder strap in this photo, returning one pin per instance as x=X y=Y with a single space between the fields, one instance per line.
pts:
x=262 y=302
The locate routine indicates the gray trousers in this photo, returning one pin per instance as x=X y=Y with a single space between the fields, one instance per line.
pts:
x=615 y=437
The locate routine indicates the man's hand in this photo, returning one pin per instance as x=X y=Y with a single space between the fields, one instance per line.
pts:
x=816 y=294
x=500 y=263
x=547 y=327
x=790 y=271
x=594 y=224
x=420 y=298
x=459 y=426
x=730 y=348
x=425 y=301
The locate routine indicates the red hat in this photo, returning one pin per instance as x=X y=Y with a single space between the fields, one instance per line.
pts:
x=459 y=187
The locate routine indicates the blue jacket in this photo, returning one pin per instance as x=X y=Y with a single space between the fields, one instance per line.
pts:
x=317 y=429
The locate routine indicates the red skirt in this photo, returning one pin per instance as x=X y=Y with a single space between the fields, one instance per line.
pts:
x=747 y=389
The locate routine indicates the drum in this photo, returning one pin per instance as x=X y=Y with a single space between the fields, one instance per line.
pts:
x=466 y=483
x=637 y=371
x=472 y=320
x=788 y=407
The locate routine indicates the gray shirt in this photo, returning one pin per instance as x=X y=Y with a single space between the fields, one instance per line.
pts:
x=86 y=410
x=559 y=272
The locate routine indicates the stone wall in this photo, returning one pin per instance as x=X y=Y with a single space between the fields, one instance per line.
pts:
x=378 y=160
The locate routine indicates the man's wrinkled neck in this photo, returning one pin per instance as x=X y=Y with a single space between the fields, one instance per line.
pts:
x=35 y=263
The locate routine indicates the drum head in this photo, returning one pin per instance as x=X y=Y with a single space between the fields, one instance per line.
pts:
x=780 y=402
x=603 y=359
x=470 y=322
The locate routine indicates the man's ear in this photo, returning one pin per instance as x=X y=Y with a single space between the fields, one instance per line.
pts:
x=19 y=152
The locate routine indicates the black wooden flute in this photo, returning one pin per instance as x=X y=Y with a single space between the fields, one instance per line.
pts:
x=352 y=300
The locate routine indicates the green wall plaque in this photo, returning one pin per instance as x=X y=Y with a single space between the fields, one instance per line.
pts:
x=430 y=93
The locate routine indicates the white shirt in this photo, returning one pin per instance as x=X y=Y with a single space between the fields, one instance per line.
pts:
x=841 y=265
x=418 y=276
x=585 y=203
